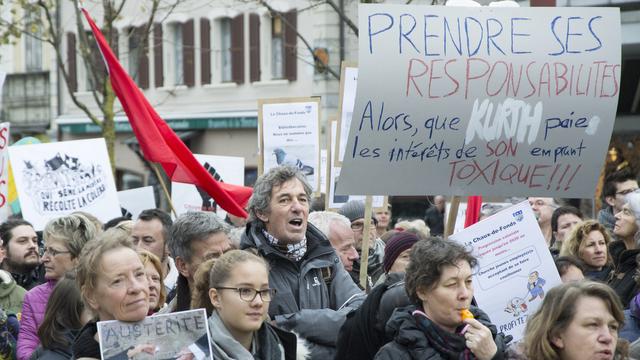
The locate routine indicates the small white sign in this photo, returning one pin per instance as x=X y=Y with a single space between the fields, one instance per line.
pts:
x=188 y=197
x=133 y=201
x=290 y=135
x=515 y=268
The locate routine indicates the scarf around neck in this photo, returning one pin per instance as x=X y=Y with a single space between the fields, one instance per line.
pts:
x=452 y=345
x=223 y=342
x=294 y=252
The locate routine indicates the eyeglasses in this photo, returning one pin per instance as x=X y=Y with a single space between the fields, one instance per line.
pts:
x=249 y=294
x=625 y=192
x=360 y=225
x=53 y=252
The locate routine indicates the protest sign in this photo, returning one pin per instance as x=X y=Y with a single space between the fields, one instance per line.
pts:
x=348 y=85
x=515 y=268
x=323 y=169
x=333 y=201
x=133 y=201
x=484 y=100
x=5 y=209
x=57 y=179
x=166 y=336
x=188 y=197
x=491 y=207
x=289 y=133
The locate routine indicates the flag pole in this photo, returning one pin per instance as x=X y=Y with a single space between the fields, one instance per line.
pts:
x=453 y=214
x=164 y=187
x=366 y=233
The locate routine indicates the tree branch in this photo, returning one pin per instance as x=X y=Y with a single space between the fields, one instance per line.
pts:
x=56 y=44
x=316 y=60
x=343 y=17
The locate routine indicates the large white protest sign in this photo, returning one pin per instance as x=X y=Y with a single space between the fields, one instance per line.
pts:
x=57 y=179
x=188 y=197
x=289 y=133
x=348 y=85
x=515 y=268
x=133 y=201
x=333 y=201
x=179 y=335
x=484 y=100
x=5 y=209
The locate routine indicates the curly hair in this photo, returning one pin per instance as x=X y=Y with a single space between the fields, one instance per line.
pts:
x=260 y=201
x=428 y=258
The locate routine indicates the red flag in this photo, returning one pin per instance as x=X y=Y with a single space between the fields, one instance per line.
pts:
x=474 y=203
x=159 y=143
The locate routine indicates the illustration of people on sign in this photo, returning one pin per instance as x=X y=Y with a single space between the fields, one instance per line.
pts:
x=535 y=286
x=516 y=307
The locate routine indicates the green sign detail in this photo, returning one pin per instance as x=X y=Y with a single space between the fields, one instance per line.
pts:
x=245 y=122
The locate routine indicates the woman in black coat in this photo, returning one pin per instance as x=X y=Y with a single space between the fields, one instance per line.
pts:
x=438 y=325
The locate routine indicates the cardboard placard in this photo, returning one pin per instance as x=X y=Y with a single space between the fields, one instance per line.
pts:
x=188 y=197
x=486 y=100
x=289 y=133
x=134 y=201
x=348 y=86
x=57 y=179
x=515 y=268
x=333 y=201
x=162 y=336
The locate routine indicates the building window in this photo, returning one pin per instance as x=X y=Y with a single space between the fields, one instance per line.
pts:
x=277 y=48
x=134 y=54
x=32 y=42
x=225 y=50
x=177 y=52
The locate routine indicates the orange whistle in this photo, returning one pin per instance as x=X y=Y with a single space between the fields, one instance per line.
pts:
x=466 y=314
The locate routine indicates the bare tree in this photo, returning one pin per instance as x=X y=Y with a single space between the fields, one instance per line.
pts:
x=51 y=32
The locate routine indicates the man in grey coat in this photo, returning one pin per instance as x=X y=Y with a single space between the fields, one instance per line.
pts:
x=313 y=291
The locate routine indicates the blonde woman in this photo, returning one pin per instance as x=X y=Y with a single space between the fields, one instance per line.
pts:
x=589 y=242
x=577 y=320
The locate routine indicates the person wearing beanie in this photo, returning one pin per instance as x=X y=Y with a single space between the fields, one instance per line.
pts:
x=354 y=211
x=396 y=254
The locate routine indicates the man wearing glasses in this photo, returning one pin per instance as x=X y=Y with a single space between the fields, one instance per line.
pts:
x=616 y=186
x=314 y=292
x=354 y=211
x=543 y=208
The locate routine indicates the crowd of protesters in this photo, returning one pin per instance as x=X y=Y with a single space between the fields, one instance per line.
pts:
x=285 y=284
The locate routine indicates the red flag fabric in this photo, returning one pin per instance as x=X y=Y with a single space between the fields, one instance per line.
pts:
x=474 y=203
x=159 y=143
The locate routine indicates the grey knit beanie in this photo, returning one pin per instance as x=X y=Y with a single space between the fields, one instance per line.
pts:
x=354 y=210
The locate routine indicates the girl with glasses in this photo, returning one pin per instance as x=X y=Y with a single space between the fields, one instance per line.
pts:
x=240 y=294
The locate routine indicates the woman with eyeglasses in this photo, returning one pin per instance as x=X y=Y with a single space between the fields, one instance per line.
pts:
x=240 y=294
x=64 y=238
